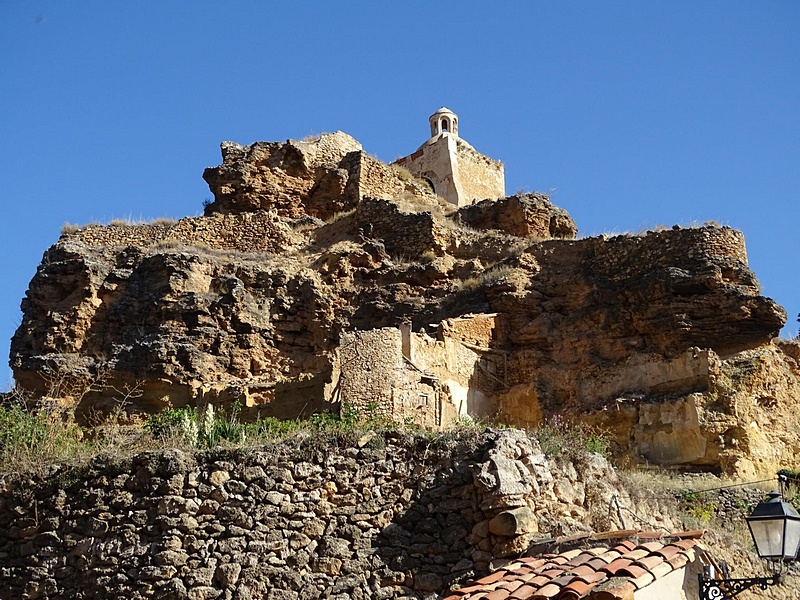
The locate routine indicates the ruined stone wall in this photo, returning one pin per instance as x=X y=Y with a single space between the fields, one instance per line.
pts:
x=260 y=231
x=377 y=180
x=376 y=380
x=403 y=234
x=524 y=215
x=634 y=256
x=371 y=364
x=480 y=177
x=395 y=517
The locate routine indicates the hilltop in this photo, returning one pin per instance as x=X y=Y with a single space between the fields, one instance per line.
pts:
x=321 y=278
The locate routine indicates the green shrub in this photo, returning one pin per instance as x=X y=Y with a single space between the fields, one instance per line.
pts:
x=29 y=439
x=174 y=423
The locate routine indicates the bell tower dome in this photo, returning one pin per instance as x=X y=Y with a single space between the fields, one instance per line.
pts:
x=444 y=120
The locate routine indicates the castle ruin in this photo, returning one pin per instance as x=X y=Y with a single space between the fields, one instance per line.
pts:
x=456 y=171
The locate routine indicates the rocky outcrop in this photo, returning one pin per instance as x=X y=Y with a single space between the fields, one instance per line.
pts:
x=250 y=302
x=395 y=519
x=319 y=177
x=523 y=215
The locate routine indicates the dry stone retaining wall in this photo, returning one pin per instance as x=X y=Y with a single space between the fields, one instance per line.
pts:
x=394 y=516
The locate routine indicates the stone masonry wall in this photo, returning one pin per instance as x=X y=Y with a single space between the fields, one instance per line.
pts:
x=393 y=517
x=377 y=180
x=371 y=361
x=634 y=256
x=480 y=176
x=403 y=234
x=260 y=231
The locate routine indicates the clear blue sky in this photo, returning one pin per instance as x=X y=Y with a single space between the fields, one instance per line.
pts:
x=631 y=114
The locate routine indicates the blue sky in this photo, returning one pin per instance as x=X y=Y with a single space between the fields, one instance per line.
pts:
x=630 y=114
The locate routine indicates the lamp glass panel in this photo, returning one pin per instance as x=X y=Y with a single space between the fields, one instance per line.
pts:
x=792 y=537
x=768 y=537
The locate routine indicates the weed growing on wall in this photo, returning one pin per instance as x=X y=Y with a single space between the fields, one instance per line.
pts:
x=29 y=439
x=559 y=438
x=198 y=429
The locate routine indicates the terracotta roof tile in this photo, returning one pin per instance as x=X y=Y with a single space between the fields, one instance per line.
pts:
x=648 y=562
x=623 y=591
x=524 y=593
x=637 y=554
x=610 y=556
x=583 y=574
x=651 y=546
x=579 y=587
x=569 y=555
x=593 y=577
x=581 y=570
x=668 y=551
x=551 y=573
x=549 y=591
x=563 y=580
x=617 y=565
x=598 y=563
x=626 y=544
x=511 y=585
x=632 y=571
x=660 y=570
x=581 y=558
x=686 y=544
x=645 y=579
x=678 y=561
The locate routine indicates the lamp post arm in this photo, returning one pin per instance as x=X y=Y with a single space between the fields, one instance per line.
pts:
x=724 y=589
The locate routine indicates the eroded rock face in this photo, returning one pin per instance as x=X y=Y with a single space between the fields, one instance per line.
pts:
x=523 y=215
x=319 y=177
x=250 y=301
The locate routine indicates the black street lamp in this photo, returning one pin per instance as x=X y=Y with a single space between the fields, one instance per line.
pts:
x=775 y=527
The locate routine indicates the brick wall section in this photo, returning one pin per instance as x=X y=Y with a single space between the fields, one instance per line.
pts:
x=260 y=231
x=400 y=517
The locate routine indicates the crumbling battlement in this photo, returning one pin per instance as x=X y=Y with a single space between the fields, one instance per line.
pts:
x=319 y=178
x=636 y=256
x=524 y=215
x=260 y=231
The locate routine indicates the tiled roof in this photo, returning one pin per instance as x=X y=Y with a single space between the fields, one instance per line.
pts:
x=609 y=572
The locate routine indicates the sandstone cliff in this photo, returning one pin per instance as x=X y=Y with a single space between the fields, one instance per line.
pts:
x=492 y=310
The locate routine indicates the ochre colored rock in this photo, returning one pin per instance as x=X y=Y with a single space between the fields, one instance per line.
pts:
x=662 y=340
